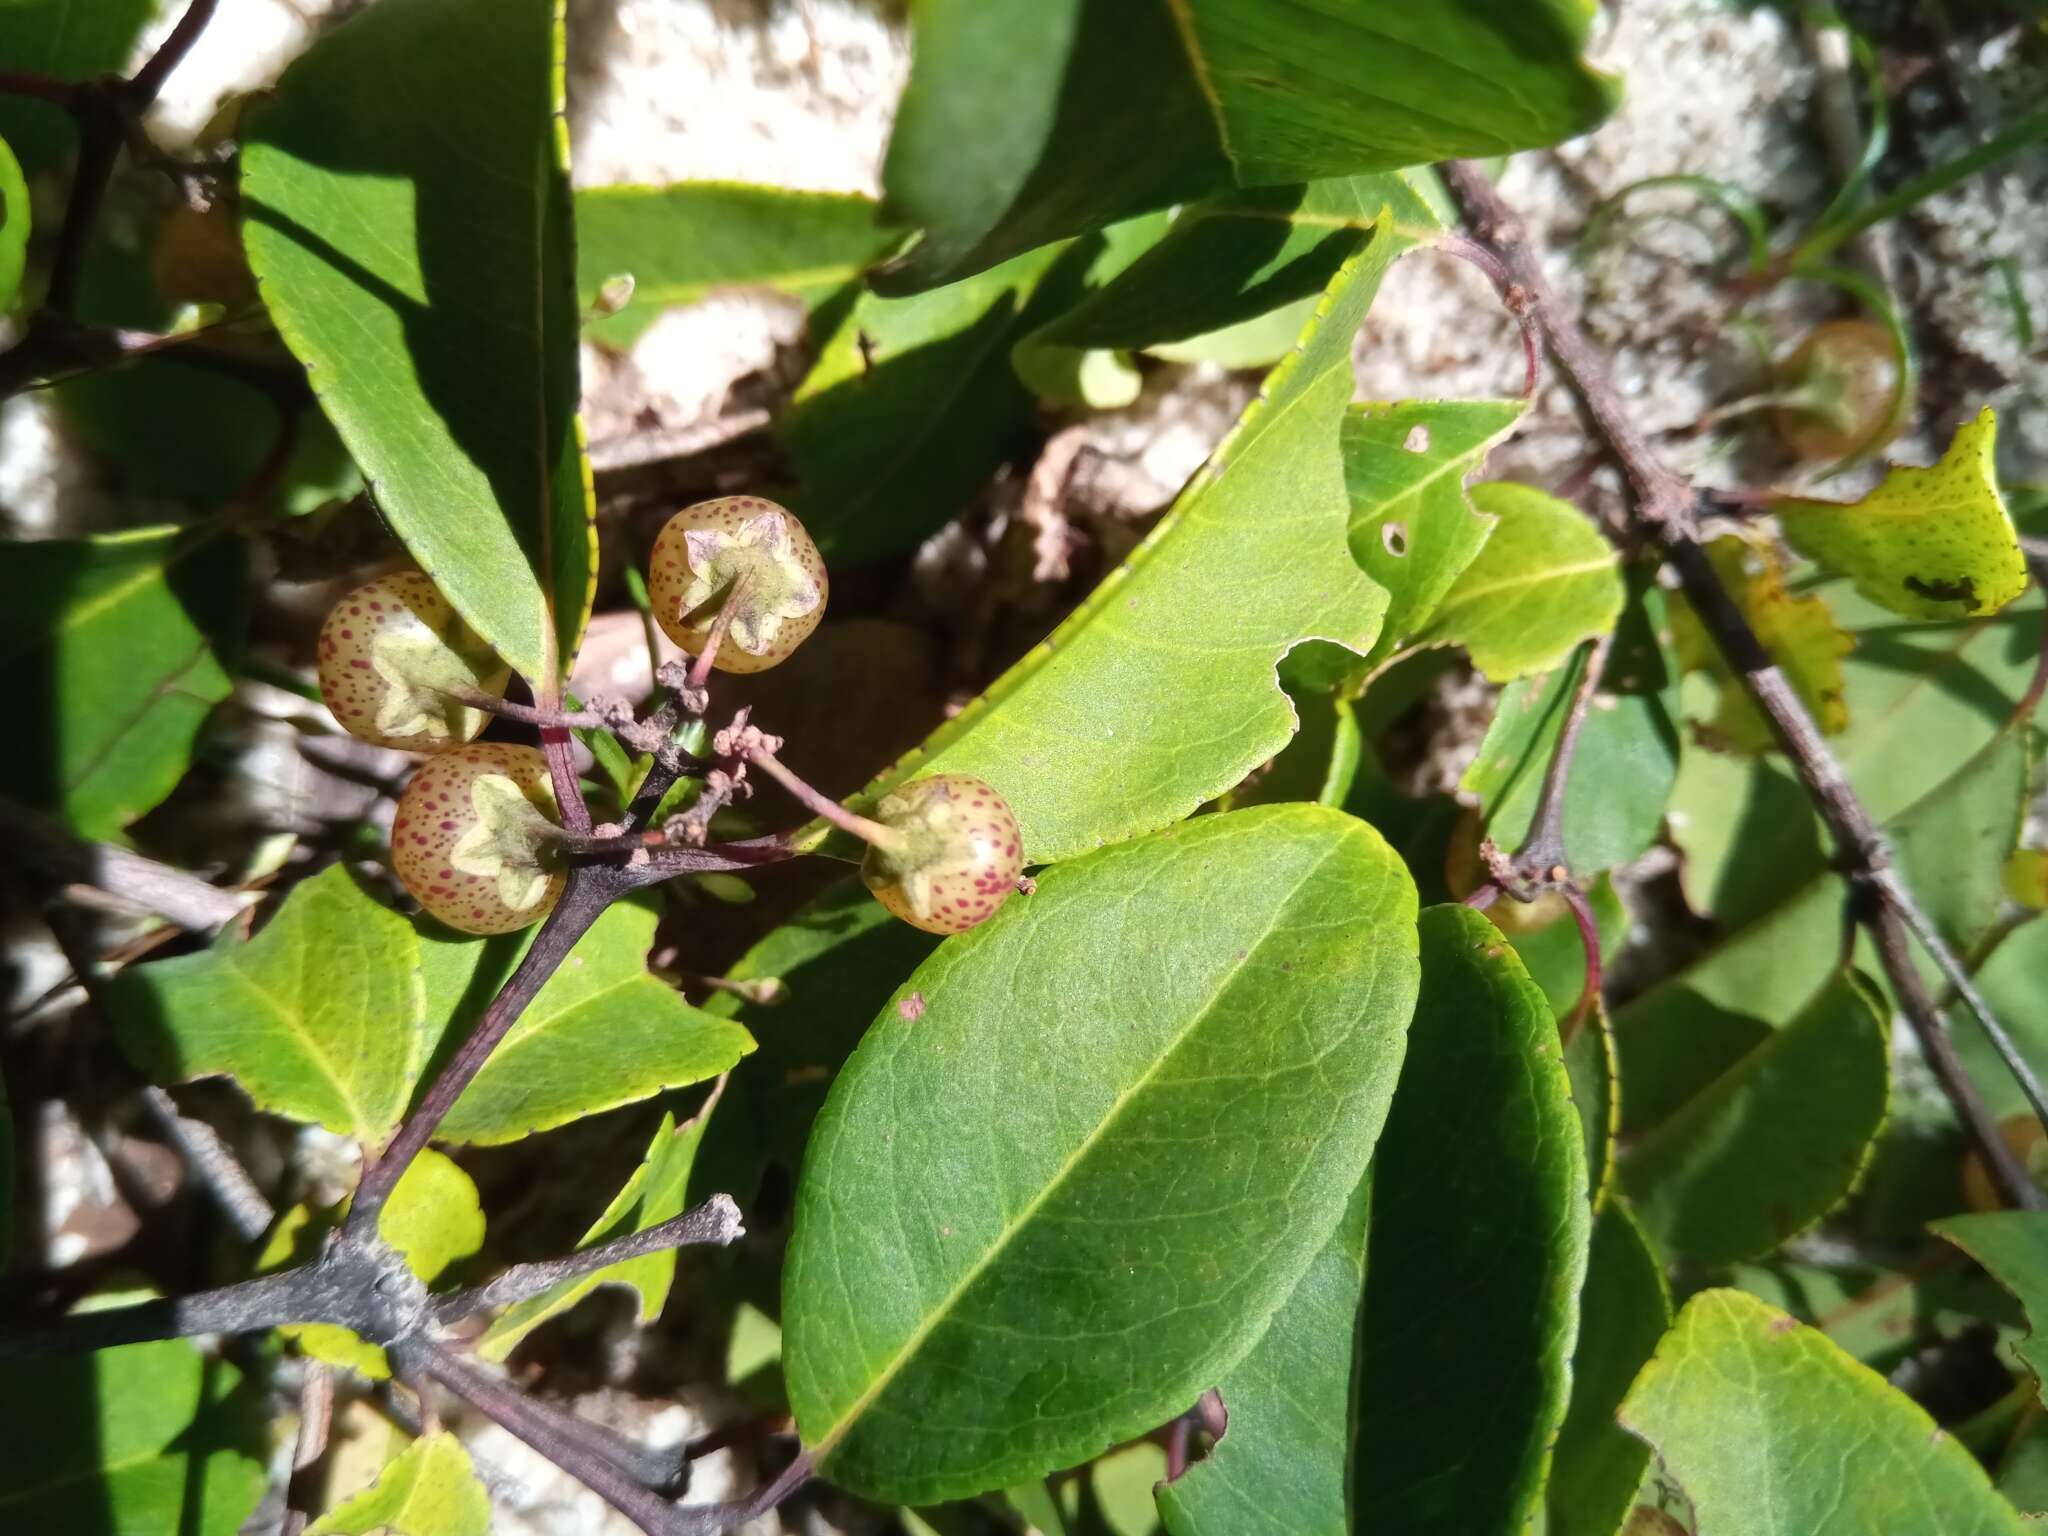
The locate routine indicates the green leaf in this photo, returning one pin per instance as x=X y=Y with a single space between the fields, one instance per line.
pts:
x=1596 y=1093
x=1800 y=633
x=911 y=405
x=1096 y=378
x=2013 y=1245
x=317 y=1017
x=131 y=1441
x=1249 y=563
x=14 y=226
x=395 y=149
x=1953 y=846
x=1931 y=543
x=1232 y=258
x=63 y=40
x=98 y=742
x=1082 y=112
x=601 y=1033
x=1554 y=952
x=1283 y=1466
x=1773 y=1431
x=1624 y=1309
x=1776 y=1141
x=1478 y=1246
x=688 y=240
x=1627 y=758
x=430 y=1490
x=654 y=1194
x=1545 y=580
x=1056 y=1120
x=1413 y=529
x=2010 y=982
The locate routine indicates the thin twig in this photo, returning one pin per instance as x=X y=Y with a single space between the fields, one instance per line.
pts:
x=316 y=1420
x=1512 y=297
x=715 y=1223
x=1664 y=508
x=217 y=1168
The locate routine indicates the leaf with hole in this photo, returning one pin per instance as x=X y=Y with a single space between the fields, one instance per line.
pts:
x=1480 y=1220
x=1413 y=528
x=1060 y=1136
x=101 y=743
x=1934 y=543
x=1545 y=580
x=1773 y=1431
x=690 y=240
x=1076 y=736
x=394 y=149
x=1083 y=112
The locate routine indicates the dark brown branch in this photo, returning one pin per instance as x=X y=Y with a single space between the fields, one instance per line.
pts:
x=1664 y=511
x=715 y=1223
x=585 y=895
x=265 y=1302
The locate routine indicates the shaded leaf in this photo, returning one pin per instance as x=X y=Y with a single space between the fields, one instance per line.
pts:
x=1624 y=1309
x=1881 y=1316
x=129 y=1441
x=1235 y=257
x=1413 y=529
x=909 y=407
x=6 y=1176
x=654 y=1194
x=62 y=40
x=1083 y=112
x=1283 y=1466
x=1056 y=1120
x=1098 y=378
x=2010 y=982
x=430 y=1490
x=688 y=240
x=1129 y=715
x=317 y=1017
x=602 y=1032
x=1627 y=757
x=1931 y=543
x=839 y=960
x=1772 y=1430
x=2013 y=1245
x=1954 y=845
x=1596 y=1094
x=1545 y=580
x=395 y=148
x=1775 y=1142
x=1799 y=632
x=103 y=743
x=14 y=226
x=1477 y=1249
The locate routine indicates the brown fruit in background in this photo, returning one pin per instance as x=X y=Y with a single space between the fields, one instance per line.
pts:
x=1847 y=374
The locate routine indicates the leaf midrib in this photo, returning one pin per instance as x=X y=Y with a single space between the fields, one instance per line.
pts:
x=908 y=1350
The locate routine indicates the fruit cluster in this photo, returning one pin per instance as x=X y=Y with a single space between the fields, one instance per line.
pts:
x=478 y=839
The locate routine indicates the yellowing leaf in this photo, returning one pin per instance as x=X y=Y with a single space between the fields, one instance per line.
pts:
x=2026 y=877
x=1799 y=632
x=1934 y=543
x=432 y=1490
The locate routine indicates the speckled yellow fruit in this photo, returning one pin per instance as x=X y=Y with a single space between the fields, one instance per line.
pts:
x=387 y=653
x=696 y=566
x=472 y=838
x=959 y=859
